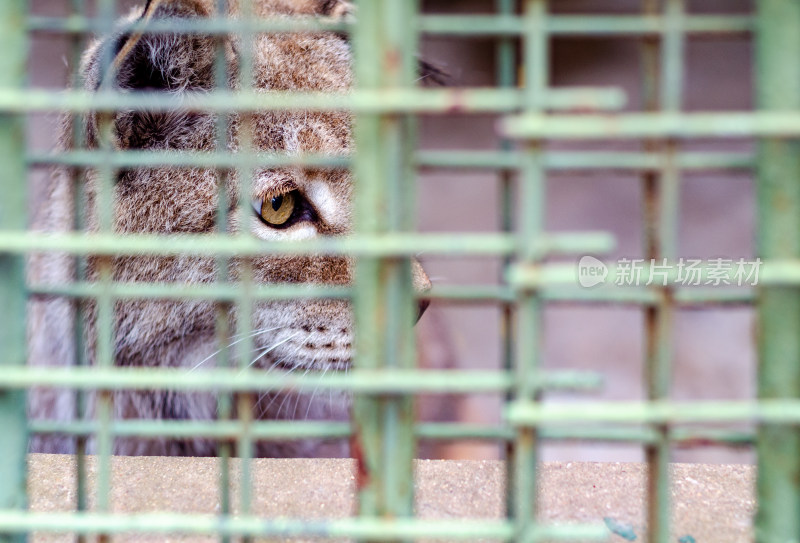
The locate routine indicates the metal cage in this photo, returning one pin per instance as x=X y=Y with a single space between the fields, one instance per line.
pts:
x=386 y=103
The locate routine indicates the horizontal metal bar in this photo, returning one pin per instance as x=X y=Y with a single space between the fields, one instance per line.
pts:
x=445 y=101
x=620 y=276
x=354 y=528
x=232 y=292
x=373 y=101
x=386 y=245
x=468 y=294
x=593 y=161
x=245 y=245
x=187 y=291
x=138 y=159
x=462 y=25
x=585 y=98
x=471 y=294
x=555 y=160
x=643 y=25
x=283 y=430
x=734 y=124
x=271 y=430
x=212 y=429
x=198 y=524
x=780 y=273
x=358 y=380
x=583 y=25
x=680 y=437
x=75 y=24
x=687 y=297
x=526 y=413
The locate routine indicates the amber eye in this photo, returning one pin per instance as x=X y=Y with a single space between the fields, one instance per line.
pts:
x=277 y=211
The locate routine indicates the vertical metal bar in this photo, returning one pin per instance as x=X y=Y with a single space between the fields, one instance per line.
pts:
x=506 y=60
x=104 y=209
x=13 y=217
x=222 y=310
x=530 y=227
x=778 y=194
x=663 y=86
x=383 y=305
x=77 y=44
x=244 y=305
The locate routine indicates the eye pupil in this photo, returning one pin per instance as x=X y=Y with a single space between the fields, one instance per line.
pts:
x=277 y=202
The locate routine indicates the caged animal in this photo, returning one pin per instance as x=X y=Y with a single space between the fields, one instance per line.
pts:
x=288 y=203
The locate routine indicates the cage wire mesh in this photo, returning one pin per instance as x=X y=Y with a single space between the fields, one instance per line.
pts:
x=539 y=266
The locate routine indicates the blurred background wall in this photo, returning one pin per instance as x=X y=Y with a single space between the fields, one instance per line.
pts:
x=714 y=351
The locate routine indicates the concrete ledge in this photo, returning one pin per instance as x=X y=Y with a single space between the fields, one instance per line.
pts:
x=712 y=503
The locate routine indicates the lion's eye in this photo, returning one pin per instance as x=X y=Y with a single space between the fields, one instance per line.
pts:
x=277 y=211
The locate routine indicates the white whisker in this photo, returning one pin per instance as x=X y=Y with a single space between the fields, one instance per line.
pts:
x=268 y=349
x=273 y=367
x=300 y=395
x=215 y=353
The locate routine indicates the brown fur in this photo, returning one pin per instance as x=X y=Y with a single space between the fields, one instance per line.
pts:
x=306 y=334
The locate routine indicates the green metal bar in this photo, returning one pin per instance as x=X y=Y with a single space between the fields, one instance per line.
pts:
x=655 y=125
x=364 y=381
x=530 y=225
x=218 y=25
x=281 y=431
x=77 y=46
x=778 y=196
x=684 y=297
x=400 y=100
x=13 y=219
x=656 y=326
x=104 y=334
x=785 y=412
x=507 y=64
x=222 y=311
x=583 y=25
x=384 y=244
x=554 y=160
x=361 y=528
x=655 y=273
x=587 y=161
x=463 y=25
x=246 y=169
x=388 y=244
x=188 y=159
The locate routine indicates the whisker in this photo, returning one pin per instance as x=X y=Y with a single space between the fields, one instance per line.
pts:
x=268 y=349
x=311 y=401
x=215 y=353
x=299 y=395
x=274 y=366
